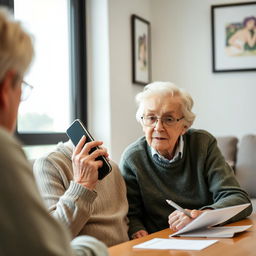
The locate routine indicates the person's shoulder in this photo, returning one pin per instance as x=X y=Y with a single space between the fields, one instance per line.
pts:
x=199 y=134
x=115 y=173
x=57 y=156
x=7 y=138
x=137 y=146
x=12 y=156
x=113 y=164
x=8 y=145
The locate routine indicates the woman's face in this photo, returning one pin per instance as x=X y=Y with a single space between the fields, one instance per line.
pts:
x=250 y=24
x=161 y=137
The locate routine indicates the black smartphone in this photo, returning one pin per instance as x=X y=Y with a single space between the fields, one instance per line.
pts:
x=75 y=133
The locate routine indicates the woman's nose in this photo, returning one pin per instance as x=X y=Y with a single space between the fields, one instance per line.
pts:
x=159 y=125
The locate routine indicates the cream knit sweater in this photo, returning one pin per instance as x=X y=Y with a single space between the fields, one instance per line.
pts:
x=100 y=213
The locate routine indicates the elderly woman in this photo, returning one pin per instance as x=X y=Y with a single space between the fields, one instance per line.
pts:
x=174 y=162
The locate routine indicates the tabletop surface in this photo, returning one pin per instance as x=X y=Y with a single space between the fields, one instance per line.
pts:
x=242 y=244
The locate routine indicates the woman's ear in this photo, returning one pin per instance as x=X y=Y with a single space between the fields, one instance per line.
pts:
x=5 y=86
x=185 y=128
x=3 y=94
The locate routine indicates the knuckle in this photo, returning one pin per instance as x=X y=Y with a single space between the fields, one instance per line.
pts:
x=75 y=158
x=82 y=160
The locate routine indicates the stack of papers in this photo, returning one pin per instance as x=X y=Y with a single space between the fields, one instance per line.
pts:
x=202 y=226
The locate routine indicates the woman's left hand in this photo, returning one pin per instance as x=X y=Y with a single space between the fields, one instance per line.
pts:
x=177 y=219
x=139 y=234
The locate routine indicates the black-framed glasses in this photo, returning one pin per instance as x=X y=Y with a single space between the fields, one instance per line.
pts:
x=151 y=121
x=26 y=90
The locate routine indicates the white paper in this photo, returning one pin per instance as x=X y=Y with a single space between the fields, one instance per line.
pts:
x=175 y=244
x=211 y=218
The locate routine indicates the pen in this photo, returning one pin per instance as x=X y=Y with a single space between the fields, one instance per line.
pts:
x=177 y=207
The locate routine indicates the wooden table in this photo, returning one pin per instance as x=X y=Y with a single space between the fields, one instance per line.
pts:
x=242 y=244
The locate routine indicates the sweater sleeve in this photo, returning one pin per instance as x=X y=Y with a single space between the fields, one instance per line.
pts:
x=135 y=213
x=89 y=246
x=223 y=184
x=71 y=205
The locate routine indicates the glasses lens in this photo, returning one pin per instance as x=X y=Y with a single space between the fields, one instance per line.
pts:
x=149 y=120
x=152 y=120
x=168 y=120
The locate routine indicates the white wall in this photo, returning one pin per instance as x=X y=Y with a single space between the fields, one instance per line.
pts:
x=224 y=102
x=125 y=128
x=181 y=53
x=99 y=116
x=115 y=89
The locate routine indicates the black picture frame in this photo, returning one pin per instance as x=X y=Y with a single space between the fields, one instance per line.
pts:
x=233 y=42
x=141 y=50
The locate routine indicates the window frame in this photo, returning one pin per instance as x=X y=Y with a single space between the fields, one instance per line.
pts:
x=78 y=73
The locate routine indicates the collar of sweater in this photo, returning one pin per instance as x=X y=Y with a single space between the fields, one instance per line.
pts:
x=166 y=164
x=177 y=155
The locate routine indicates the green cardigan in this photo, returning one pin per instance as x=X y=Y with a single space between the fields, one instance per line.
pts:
x=200 y=179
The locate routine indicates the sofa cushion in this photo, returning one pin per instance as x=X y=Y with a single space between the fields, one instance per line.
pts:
x=228 y=148
x=253 y=200
x=246 y=164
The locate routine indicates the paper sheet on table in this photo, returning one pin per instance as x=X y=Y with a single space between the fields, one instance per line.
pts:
x=175 y=244
x=211 y=218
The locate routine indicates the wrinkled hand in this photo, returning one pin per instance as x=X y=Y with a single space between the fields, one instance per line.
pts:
x=85 y=167
x=139 y=234
x=177 y=219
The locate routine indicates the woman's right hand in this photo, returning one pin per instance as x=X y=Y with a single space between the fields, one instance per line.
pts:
x=139 y=234
x=85 y=167
x=178 y=220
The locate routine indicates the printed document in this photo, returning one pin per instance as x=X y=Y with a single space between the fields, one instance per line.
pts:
x=202 y=225
x=175 y=244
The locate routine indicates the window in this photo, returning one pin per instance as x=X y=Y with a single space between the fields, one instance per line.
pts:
x=58 y=72
x=48 y=109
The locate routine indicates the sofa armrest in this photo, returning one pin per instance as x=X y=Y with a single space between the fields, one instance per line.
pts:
x=246 y=164
x=228 y=148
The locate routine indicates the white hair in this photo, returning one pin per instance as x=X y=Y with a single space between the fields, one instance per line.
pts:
x=16 y=48
x=163 y=89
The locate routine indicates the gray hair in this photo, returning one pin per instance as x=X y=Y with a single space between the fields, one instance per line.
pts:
x=166 y=88
x=16 y=48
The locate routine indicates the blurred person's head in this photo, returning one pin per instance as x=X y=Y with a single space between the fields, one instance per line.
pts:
x=249 y=22
x=16 y=53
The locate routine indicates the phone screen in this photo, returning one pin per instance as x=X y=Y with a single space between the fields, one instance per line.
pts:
x=75 y=133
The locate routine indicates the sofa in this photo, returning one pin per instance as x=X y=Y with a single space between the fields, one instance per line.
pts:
x=241 y=156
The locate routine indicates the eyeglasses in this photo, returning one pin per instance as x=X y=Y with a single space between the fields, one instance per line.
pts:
x=151 y=121
x=26 y=90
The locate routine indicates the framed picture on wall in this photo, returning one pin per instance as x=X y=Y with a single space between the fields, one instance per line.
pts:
x=141 y=56
x=234 y=37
